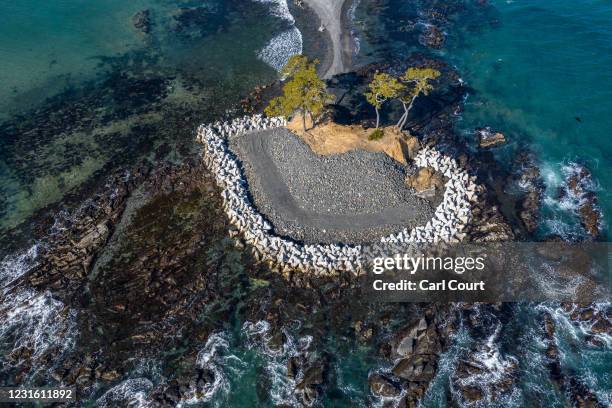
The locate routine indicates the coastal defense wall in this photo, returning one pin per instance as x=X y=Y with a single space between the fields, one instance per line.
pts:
x=447 y=225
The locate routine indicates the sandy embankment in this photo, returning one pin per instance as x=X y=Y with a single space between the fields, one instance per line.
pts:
x=330 y=14
x=332 y=138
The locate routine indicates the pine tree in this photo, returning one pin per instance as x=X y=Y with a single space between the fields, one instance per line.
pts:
x=304 y=91
x=416 y=82
x=382 y=88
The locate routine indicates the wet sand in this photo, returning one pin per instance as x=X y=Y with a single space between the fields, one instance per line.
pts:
x=330 y=12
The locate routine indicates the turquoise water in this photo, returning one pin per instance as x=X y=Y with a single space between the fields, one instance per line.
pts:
x=198 y=59
x=48 y=44
x=535 y=67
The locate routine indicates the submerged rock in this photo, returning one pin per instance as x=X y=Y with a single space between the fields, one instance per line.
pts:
x=432 y=37
x=142 y=21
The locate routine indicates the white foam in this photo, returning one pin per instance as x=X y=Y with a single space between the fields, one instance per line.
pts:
x=354 y=36
x=282 y=47
x=39 y=322
x=258 y=338
x=279 y=8
x=215 y=358
x=15 y=265
x=129 y=393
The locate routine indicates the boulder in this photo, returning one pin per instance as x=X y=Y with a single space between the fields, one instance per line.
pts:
x=416 y=368
x=489 y=138
x=578 y=187
x=425 y=180
x=381 y=386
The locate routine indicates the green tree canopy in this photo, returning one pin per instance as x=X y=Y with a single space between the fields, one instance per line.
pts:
x=382 y=88
x=304 y=91
x=417 y=83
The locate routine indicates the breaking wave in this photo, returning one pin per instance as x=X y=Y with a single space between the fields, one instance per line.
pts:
x=561 y=209
x=36 y=325
x=280 y=9
x=258 y=338
x=282 y=47
x=215 y=359
x=33 y=325
x=15 y=265
x=129 y=393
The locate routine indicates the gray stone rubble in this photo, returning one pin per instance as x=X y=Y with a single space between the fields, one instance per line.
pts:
x=353 y=198
x=447 y=225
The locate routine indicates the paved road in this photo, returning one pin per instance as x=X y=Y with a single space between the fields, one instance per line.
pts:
x=274 y=199
x=330 y=14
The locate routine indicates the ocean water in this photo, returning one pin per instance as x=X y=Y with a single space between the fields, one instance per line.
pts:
x=539 y=72
x=533 y=66
x=198 y=59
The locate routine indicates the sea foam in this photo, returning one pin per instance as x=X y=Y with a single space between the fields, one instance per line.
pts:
x=284 y=45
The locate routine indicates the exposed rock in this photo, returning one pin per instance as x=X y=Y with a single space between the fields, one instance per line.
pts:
x=420 y=368
x=382 y=386
x=485 y=374
x=602 y=326
x=578 y=392
x=531 y=186
x=362 y=331
x=309 y=387
x=472 y=394
x=293 y=366
x=426 y=181
x=489 y=225
x=489 y=138
x=579 y=189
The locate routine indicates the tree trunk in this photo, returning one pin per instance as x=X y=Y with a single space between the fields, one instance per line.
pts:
x=407 y=110
x=377 y=118
x=400 y=121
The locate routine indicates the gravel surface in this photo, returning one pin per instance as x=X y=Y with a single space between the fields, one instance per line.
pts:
x=354 y=197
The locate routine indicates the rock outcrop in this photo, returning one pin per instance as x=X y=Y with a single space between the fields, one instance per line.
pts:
x=579 y=394
x=415 y=350
x=488 y=138
x=529 y=182
x=425 y=182
x=579 y=189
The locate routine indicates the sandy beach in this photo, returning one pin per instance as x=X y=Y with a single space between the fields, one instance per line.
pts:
x=330 y=14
